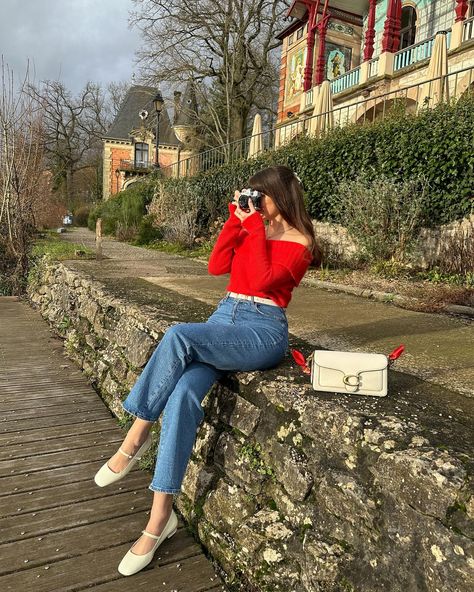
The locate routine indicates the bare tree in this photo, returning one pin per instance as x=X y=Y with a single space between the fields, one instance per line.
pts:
x=116 y=92
x=21 y=168
x=228 y=46
x=73 y=129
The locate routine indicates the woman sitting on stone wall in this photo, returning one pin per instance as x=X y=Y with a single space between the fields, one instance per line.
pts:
x=247 y=331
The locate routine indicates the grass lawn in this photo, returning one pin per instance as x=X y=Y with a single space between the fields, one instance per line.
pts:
x=51 y=244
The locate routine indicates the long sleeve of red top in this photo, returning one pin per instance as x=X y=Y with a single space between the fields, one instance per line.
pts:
x=258 y=266
x=220 y=260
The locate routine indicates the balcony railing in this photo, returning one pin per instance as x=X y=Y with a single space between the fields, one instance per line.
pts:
x=136 y=165
x=402 y=59
x=373 y=67
x=346 y=80
x=308 y=98
x=468 y=29
x=416 y=53
x=366 y=110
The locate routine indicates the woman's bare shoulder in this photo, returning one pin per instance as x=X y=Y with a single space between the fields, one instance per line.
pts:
x=297 y=237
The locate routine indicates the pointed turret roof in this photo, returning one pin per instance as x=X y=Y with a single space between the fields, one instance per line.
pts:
x=137 y=99
x=189 y=108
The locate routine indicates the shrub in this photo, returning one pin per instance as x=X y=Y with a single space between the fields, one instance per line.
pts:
x=148 y=231
x=176 y=209
x=121 y=215
x=436 y=144
x=382 y=216
x=81 y=215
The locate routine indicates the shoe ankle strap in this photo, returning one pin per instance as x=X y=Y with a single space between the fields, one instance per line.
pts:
x=125 y=454
x=153 y=536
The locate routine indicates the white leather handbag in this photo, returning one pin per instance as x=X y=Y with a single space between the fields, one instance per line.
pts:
x=355 y=373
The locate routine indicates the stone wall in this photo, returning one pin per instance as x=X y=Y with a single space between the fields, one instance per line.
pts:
x=289 y=489
x=433 y=243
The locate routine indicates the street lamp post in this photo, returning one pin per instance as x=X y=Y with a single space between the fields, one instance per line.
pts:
x=158 y=103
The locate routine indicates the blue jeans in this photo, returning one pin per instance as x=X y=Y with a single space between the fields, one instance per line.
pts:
x=240 y=335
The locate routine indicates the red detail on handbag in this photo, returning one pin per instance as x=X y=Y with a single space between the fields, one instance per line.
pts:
x=396 y=352
x=300 y=360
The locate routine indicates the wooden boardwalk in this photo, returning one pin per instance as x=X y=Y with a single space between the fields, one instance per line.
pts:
x=58 y=531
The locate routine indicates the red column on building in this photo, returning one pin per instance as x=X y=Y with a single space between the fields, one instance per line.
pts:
x=370 y=33
x=322 y=29
x=398 y=26
x=391 y=31
x=308 y=71
x=461 y=9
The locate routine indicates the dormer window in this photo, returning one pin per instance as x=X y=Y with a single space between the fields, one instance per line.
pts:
x=141 y=155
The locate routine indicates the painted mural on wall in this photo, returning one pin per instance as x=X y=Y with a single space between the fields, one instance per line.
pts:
x=338 y=60
x=297 y=62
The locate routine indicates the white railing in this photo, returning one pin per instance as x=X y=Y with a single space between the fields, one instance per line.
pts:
x=413 y=54
x=373 y=67
x=416 y=53
x=346 y=80
x=468 y=29
x=308 y=98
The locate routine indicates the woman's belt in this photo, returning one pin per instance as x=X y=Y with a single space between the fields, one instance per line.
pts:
x=254 y=298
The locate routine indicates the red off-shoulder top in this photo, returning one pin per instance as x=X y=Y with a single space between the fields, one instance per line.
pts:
x=258 y=266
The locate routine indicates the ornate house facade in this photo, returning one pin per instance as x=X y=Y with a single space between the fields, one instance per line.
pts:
x=129 y=147
x=369 y=50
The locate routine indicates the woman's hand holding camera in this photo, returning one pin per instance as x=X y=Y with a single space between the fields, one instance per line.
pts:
x=238 y=211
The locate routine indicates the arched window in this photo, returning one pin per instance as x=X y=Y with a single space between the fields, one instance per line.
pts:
x=408 y=28
x=141 y=155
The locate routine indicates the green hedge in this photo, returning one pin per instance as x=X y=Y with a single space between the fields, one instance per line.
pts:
x=437 y=144
x=127 y=208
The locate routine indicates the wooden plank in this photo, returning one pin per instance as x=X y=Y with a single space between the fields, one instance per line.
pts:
x=58 y=409
x=45 y=421
x=62 y=458
x=48 y=433
x=53 y=497
x=194 y=574
x=17 y=528
x=88 y=538
x=60 y=383
x=55 y=399
x=39 y=394
x=70 y=442
x=51 y=477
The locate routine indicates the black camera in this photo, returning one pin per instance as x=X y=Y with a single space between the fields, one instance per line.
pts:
x=254 y=195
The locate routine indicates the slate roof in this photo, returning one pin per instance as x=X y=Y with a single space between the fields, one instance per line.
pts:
x=127 y=119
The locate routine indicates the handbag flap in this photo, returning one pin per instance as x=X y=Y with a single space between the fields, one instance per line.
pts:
x=350 y=362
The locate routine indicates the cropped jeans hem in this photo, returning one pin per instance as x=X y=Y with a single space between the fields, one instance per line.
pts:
x=136 y=413
x=164 y=490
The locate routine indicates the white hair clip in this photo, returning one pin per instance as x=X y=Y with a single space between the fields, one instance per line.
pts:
x=299 y=180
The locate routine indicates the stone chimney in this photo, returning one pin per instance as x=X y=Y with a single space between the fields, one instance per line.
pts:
x=177 y=105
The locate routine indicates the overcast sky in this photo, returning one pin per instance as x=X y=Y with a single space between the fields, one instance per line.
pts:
x=72 y=40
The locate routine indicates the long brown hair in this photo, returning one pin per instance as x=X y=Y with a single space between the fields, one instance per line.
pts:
x=281 y=184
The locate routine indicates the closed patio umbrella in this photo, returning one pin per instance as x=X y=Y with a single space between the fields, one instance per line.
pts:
x=256 y=141
x=323 y=116
x=436 y=90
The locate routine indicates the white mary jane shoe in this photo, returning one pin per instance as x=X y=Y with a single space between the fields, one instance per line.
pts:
x=131 y=563
x=105 y=475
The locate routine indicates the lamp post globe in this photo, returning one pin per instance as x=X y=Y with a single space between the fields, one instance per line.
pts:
x=158 y=103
